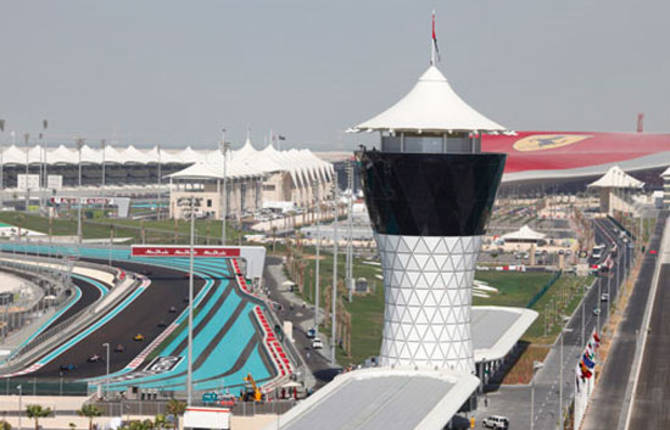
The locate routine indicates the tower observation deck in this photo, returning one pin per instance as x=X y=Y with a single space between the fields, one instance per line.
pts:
x=430 y=191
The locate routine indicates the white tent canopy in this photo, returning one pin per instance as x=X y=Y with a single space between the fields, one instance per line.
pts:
x=525 y=233
x=615 y=177
x=431 y=106
x=303 y=166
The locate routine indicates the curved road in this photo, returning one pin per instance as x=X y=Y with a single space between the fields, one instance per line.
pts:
x=168 y=288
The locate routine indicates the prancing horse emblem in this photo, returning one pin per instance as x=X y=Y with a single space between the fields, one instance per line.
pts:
x=541 y=142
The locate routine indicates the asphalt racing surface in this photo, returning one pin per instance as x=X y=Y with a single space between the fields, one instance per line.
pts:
x=652 y=397
x=89 y=294
x=143 y=315
x=608 y=398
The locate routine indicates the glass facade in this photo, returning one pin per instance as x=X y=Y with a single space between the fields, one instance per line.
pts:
x=430 y=194
x=431 y=144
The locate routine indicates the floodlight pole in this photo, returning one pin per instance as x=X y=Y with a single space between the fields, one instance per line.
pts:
x=318 y=259
x=224 y=196
x=46 y=162
x=103 y=146
x=189 y=374
x=334 y=298
x=350 y=228
x=80 y=143
x=27 y=192
x=158 y=190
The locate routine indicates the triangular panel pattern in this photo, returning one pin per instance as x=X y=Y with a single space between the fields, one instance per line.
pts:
x=428 y=295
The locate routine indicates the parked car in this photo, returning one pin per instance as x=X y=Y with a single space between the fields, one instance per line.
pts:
x=604 y=297
x=596 y=311
x=497 y=422
x=317 y=343
x=311 y=333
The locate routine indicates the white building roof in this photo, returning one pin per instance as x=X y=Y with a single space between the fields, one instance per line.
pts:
x=382 y=398
x=496 y=329
x=303 y=166
x=615 y=177
x=524 y=233
x=431 y=106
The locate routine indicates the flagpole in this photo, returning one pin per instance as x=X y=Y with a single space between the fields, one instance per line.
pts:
x=432 y=43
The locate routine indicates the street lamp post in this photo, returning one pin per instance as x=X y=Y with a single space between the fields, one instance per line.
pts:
x=158 y=191
x=27 y=190
x=317 y=261
x=599 y=305
x=20 y=388
x=103 y=147
x=189 y=373
x=80 y=143
x=43 y=165
x=583 y=304
x=224 y=188
x=560 y=386
x=334 y=298
x=106 y=345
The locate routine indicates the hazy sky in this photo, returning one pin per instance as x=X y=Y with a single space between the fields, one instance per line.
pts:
x=175 y=73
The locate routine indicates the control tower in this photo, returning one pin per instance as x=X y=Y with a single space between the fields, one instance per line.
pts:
x=429 y=191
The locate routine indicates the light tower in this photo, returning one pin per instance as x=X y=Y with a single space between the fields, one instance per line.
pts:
x=429 y=191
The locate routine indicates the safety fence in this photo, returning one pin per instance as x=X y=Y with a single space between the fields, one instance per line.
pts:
x=544 y=289
x=42 y=387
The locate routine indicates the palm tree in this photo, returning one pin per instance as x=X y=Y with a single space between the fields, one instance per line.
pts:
x=89 y=411
x=176 y=408
x=4 y=425
x=72 y=426
x=36 y=412
x=160 y=421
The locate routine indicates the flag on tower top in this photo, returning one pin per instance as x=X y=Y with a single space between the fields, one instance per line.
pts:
x=436 y=50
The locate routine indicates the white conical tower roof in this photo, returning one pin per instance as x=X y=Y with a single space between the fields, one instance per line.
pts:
x=432 y=105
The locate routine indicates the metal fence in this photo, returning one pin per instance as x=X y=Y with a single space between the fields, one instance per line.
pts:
x=155 y=407
x=544 y=289
x=42 y=387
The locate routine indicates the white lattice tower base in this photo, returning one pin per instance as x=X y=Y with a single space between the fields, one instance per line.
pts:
x=428 y=295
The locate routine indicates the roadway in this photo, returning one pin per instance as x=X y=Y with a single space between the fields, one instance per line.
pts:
x=143 y=315
x=514 y=401
x=89 y=294
x=608 y=398
x=650 y=408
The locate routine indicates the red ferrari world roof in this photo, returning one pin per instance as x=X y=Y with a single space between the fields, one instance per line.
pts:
x=535 y=154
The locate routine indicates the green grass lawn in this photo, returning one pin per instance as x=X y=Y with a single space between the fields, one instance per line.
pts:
x=367 y=311
x=206 y=231
x=560 y=300
x=514 y=288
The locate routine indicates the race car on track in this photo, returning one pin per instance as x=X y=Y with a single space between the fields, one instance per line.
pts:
x=119 y=348
x=94 y=358
x=162 y=324
x=173 y=309
x=138 y=337
x=66 y=367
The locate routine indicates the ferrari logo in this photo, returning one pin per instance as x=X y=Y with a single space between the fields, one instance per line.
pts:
x=540 y=142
